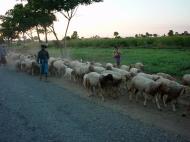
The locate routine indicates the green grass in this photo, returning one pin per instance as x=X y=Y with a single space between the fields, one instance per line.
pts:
x=172 y=61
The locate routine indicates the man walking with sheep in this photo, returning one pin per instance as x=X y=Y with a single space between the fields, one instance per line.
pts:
x=3 y=53
x=42 y=59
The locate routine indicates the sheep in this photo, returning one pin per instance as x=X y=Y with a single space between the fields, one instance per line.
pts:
x=145 y=86
x=26 y=65
x=59 y=67
x=126 y=76
x=125 y=67
x=113 y=86
x=68 y=73
x=98 y=69
x=66 y=62
x=52 y=70
x=91 y=82
x=13 y=56
x=98 y=64
x=18 y=65
x=109 y=66
x=186 y=79
x=134 y=71
x=139 y=66
x=35 y=68
x=153 y=77
x=80 y=70
x=74 y=64
x=167 y=76
x=170 y=91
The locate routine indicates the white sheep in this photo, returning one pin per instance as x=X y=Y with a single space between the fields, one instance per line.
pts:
x=59 y=67
x=139 y=66
x=145 y=86
x=109 y=66
x=167 y=76
x=80 y=70
x=98 y=69
x=92 y=84
x=150 y=76
x=68 y=73
x=186 y=79
x=134 y=71
x=97 y=64
x=170 y=90
x=125 y=67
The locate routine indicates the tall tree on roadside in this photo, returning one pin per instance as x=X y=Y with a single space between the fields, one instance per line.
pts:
x=67 y=8
x=8 y=27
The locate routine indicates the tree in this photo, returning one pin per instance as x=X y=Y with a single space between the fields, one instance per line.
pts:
x=116 y=34
x=147 y=34
x=155 y=35
x=170 y=33
x=8 y=27
x=136 y=35
x=176 y=33
x=67 y=8
x=185 y=33
x=74 y=35
x=24 y=18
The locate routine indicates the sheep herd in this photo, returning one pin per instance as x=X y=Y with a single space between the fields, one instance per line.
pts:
x=107 y=80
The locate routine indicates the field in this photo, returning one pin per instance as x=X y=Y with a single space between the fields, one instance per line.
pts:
x=172 y=61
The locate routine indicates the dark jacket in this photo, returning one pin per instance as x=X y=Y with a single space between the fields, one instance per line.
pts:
x=43 y=56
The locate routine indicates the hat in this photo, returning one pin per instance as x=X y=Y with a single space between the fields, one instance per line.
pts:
x=43 y=46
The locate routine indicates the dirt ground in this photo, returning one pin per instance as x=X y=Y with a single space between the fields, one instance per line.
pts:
x=166 y=119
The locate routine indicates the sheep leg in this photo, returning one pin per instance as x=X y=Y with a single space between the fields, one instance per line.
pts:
x=164 y=100
x=137 y=96
x=101 y=95
x=145 y=98
x=103 y=100
x=130 y=96
x=157 y=102
x=173 y=106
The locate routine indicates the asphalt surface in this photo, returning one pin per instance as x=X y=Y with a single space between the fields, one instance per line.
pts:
x=37 y=111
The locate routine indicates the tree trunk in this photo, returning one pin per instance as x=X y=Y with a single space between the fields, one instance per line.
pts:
x=32 y=38
x=68 y=22
x=46 y=39
x=53 y=30
x=65 y=40
x=38 y=34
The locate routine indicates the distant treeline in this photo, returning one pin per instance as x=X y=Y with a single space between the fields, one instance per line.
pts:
x=141 y=42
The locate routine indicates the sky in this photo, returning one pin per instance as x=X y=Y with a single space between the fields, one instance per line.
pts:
x=128 y=17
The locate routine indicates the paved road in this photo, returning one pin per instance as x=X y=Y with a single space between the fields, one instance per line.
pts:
x=36 y=111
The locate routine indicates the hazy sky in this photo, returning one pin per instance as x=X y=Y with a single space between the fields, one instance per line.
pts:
x=127 y=17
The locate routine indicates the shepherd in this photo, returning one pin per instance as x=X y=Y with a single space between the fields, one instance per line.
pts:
x=42 y=59
x=3 y=53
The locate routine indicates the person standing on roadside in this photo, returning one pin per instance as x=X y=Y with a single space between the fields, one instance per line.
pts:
x=117 y=56
x=42 y=59
x=3 y=53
